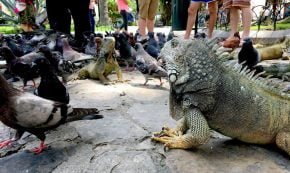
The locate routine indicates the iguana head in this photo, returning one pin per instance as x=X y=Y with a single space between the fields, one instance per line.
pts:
x=174 y=54
x=107 y=46
x=187 y=60
x=193 y=75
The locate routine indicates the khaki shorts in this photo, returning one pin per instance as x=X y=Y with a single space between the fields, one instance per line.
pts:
x=148 y=9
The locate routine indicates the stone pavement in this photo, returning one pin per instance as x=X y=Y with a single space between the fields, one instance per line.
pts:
x=120 y=142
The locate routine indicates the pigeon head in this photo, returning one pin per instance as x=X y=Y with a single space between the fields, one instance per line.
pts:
x=42 y=63
x=247 y=42
x=44 y=49
x=7 y=53
x=41 y=60
x=151 y=34
x=92 y=38
x=138 y=46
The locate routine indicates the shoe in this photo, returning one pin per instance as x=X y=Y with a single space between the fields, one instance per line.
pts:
x=141 y=39
x=76 y=45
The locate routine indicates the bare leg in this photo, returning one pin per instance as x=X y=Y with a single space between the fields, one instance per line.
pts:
x=150 y=25
x=192 y=10
x=212 y=8
x=246 y=20
x=234 y=20
x=142 y=27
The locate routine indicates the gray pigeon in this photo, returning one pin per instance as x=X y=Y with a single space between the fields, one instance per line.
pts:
x=148 y=65
x=73 y=56
x=91 y=47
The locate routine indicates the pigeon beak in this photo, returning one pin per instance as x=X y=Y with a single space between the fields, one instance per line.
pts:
x=33 y=64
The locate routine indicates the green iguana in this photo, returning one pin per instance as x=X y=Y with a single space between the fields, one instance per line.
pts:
x=104 y=65
x=207 y=92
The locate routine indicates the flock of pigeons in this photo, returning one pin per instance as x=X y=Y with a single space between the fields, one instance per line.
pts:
x=49 y=55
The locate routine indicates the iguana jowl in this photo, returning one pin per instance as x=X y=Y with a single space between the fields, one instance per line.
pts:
x=206 y=92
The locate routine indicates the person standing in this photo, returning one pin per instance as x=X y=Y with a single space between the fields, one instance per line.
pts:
x=92 y=14
x=235 y=7
x=123 y=9
x=26 y=11
x=192 y=12
x=60 y=14
x=147 y=12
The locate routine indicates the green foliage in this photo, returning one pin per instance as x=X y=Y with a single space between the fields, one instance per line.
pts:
x=9 y=30
x=285 y=21
x=113 y=9
x=10 y=17
x=280 y=26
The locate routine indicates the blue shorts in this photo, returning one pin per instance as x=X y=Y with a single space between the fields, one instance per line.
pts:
x=206 y=1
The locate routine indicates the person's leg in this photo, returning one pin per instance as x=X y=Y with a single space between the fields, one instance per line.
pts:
x=58 y=16
x=143 y=14
x=153 y=7
x=142 y=26
x=80 y=13
x=212 y=8
x=125 y=19
x=192 y=11
x=246 y=21
x=92 y=20
x=234 y=20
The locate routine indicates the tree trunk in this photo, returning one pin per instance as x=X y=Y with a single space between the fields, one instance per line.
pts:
x=103 y=10
x=165 y=11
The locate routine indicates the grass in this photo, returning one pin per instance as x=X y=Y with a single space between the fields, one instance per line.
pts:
x=279 y=26
x=16 y=29
x=9 y=29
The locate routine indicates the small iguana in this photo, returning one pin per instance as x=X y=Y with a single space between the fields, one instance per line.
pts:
x=207 y=92
x=105 y=64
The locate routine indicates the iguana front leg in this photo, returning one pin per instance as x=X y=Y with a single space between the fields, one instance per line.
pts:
x=283 y=141
x=196 y=134
x=101 y=66
x=177 y=131
x=118 y=71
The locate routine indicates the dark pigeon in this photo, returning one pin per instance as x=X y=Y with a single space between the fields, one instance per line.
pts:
x=248 y=55
x=26 y=112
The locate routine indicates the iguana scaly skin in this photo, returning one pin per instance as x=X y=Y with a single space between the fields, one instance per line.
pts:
x=104 y=65
x=206 y=92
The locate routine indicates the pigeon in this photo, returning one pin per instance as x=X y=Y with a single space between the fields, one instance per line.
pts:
x=91 y=47
x=151 y=46
x=21 y=66
x=248 y=55
x=127 y=52
x=73 y=56
x=53 y=59
x=15 y=48
x=148 y=65
x=131 y=39
x=50 y=86
x=161 y=39
x=26 y=112
x=170 y=35
x=58 y=44
x=26 y=47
